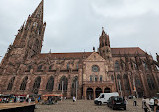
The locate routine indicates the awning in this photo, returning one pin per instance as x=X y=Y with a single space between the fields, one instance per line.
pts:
x=53 y=95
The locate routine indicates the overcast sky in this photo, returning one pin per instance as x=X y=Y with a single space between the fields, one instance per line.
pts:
x=75 y=25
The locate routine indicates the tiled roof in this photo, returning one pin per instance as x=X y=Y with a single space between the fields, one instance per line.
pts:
x=131 y=50
x=66 y=55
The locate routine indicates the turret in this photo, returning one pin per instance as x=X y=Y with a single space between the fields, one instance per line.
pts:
x=104 y=45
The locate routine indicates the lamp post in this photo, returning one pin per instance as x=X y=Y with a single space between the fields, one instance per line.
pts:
x=76 y=90
x=62 y=91
x=120 y=88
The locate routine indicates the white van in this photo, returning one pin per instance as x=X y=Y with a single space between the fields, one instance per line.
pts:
x=102 y=99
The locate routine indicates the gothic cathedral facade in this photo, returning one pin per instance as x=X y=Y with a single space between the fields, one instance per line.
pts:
x=25 y=70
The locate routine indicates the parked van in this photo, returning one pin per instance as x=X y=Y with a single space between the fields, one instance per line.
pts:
x=103 y=98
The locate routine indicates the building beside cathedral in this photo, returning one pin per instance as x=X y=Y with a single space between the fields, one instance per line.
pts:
x=25 y=70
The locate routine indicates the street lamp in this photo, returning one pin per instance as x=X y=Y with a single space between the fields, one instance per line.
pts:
x=120 y=87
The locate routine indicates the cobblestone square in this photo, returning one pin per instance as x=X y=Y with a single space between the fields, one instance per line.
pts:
x=85 y=106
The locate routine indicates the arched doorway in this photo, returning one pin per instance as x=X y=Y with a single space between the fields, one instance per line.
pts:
x=107 y=90
x=89 y=94
x=98 y=91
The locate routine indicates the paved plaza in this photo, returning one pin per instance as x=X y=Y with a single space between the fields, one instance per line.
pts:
x=85 y=106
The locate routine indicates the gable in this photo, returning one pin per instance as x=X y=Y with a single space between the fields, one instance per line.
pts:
x=94 y=57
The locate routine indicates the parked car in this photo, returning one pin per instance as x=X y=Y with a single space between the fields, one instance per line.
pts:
x=151 y=102
x=103 y=98
x=116 y=102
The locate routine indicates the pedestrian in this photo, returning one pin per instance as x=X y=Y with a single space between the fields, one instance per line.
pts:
x=156 y=106
x=145 y=106
x=74 y=99
x=126 y=100
x=29 y=100
x=134 y=101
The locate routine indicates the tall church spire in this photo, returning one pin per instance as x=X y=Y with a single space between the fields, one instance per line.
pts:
x=38 y=13
x=104 y=39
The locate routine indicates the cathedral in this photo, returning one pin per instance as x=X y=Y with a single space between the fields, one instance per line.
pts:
x=25 y=70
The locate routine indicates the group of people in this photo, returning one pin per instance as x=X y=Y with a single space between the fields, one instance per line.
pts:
x=146 y=107
x=4 y=100
x=145 y=104
x=15 y=99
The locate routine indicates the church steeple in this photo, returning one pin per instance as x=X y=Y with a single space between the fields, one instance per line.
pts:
x=27 y=43
x=31 y=34
x=104 y=39
x=38 y=13
x=104 y=45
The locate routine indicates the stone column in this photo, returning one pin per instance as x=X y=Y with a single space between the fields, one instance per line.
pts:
x=44 y=80
x=84 y=92
x=103 y=89
x=94 y=92
x=69 y=88
x=56 y=83
x=80 y=83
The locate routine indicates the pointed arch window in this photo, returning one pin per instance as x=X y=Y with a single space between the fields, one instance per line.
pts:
x=40 y=68
x=101 y=78
x=96 y=78
x=145 y=66
x=23 y=84
x=63 y=81
x=117 y=66
x=91 y=78
x=126 y=82
x=150 y=82
x=36 y=85
x=50 y=84
x=68 y=66
x=74 y=85
x=11 y=82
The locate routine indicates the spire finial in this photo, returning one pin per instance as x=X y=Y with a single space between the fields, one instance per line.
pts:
x=102 y=28
x=50 y=51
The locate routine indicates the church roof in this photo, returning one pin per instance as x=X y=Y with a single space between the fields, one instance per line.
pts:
x=131 y=50
x=66 y=55
x=128 y=50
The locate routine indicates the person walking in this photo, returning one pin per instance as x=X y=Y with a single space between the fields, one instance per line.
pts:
x=134 y=101
x=145 y=105
x=74 y=99
x=29 y=100
x=156 y=105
